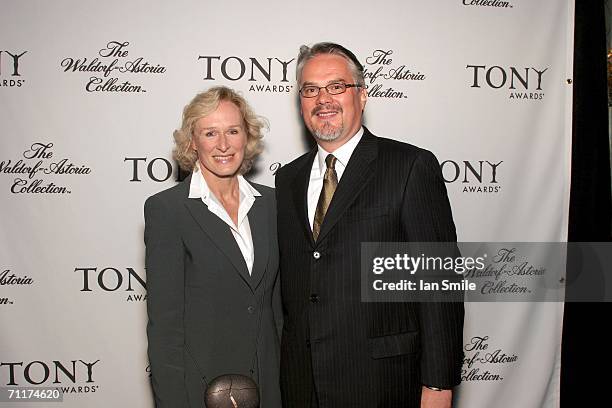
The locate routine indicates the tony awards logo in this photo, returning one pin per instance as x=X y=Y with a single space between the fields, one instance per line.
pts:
x=523 y=83
x=10 y=69
x=68 y=376
x=118 y=280
x=263 y=74
x=473 y=176
x=113 y=69
x=158 y=169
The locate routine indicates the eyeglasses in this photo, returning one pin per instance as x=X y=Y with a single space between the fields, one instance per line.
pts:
x=336 y=88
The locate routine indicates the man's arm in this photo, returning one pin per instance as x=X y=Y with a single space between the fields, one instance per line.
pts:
x=427 y=217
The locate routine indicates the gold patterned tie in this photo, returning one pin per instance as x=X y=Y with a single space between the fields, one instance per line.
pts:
x=330 y=182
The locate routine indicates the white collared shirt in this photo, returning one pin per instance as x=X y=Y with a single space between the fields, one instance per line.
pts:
x=241 y=232
x=315 y=184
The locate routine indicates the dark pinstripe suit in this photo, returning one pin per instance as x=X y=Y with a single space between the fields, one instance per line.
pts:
x=363 y=354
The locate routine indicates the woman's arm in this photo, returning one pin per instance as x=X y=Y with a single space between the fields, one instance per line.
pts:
x=165 y=303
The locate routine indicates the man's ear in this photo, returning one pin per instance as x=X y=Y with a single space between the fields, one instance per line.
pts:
x=363 y=98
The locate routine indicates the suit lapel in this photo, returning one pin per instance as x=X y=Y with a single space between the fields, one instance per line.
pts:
x=259 y=223
x=355 y=177
x=220 y=235
x=300 y=194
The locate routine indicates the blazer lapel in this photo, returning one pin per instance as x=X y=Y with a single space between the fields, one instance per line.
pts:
x=259 y=223
x=300 y=194
x=355 y=177
x=220 y=235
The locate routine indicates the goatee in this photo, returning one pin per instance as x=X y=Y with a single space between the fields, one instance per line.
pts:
x=327 y=132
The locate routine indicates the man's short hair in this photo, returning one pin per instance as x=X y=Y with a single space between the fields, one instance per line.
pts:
x=306 y=53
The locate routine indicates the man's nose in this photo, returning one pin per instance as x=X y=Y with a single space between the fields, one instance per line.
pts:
x=323 y=97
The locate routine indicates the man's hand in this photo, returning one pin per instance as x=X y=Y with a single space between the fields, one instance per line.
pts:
x=436 y=399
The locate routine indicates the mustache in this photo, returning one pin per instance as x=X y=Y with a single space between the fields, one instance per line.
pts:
x=330 y=106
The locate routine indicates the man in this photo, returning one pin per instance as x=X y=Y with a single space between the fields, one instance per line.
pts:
x=338 y=351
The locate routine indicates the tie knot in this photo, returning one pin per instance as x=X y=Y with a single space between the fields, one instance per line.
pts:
x=330 y=161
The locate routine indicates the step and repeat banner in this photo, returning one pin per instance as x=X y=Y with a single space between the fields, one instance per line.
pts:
x=90 y=95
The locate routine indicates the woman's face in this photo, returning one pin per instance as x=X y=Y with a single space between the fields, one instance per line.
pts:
x=220 y=140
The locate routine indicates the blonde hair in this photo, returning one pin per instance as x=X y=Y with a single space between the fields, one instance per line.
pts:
x=206 y=103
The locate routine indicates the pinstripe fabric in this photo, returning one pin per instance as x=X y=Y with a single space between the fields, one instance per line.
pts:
x=363 y=354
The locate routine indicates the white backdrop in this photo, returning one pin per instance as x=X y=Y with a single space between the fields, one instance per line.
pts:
x=483 y=84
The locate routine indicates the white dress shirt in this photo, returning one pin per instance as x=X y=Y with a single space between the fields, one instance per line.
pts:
x=241 y=232
x=315 y=184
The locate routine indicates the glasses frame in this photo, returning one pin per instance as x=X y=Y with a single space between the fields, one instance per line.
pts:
x=346 y=86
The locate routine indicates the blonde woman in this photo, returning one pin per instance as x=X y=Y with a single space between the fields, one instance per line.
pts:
x=212 y=260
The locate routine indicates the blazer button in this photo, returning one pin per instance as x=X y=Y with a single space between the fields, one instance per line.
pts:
x=308 y=343
x=316 y=254
x=314 y=298
x=251 y=309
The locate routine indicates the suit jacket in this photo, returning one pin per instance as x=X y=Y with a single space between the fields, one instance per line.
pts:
x=204 y=308
x=360 y=354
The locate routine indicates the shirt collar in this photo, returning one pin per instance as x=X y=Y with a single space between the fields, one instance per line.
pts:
x=342 y=154
x=198 y=188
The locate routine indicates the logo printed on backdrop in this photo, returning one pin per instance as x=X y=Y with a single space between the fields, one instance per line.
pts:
x=482 y=363
x=271 y=74
x=37 y=162
x=473 y=176
x=8 y=279
x=263 y=74
x=68 y=376
x=10 y=69
x=507 y=273
x=112 y=68
x=524 y=83
x=487 y=3
x=119 y=280
x=157 y=169
x=160 y=169
x=379 y=67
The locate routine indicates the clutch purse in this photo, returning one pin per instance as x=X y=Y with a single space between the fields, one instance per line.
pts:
x=232 y=391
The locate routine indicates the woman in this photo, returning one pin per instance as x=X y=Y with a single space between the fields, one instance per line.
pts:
x=212 y=260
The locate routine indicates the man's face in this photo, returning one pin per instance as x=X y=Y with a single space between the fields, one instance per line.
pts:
x=332 y=119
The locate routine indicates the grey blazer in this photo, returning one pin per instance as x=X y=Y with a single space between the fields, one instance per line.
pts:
x=204 y=308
